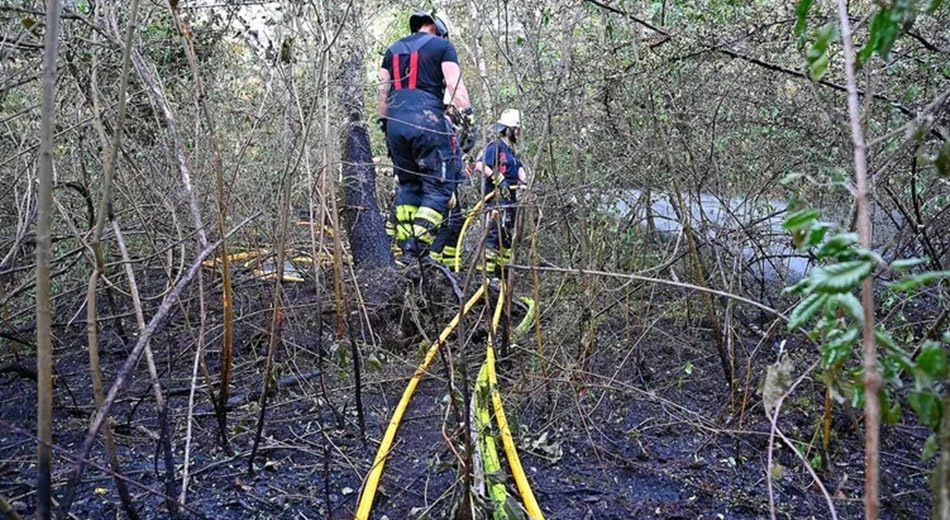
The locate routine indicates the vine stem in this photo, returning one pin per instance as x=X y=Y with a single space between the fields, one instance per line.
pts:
x=872 y=382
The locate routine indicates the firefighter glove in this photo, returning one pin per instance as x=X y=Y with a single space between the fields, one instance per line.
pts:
x=468 y=139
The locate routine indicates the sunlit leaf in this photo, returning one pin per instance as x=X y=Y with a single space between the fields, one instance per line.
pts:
x=912 y=282
x=805 y=310
x=837 y=244
x=841 y=277
x=817 y=55
x=801 y=14
x=890 y=409
x=932 y=360
x=817 y=63
x=800 y=219
x=887 y=27
x=839 y=348
x=851 y=306
x=930 y=448
x=927 y=406
x=906 y=263
x=815 y=235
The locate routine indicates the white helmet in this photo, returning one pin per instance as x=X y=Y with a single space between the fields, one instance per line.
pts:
x=510 y=118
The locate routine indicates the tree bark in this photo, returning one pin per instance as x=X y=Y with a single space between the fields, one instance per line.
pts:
x=362 y=217
x=44 y=245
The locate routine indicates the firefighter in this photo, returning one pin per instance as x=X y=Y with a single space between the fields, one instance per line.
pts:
x=421 y=96
x=503 y=171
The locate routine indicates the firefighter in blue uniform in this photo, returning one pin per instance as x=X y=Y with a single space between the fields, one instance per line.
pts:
x=421 y=96
x=504 y=171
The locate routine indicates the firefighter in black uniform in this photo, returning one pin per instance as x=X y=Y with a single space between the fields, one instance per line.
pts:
x=421 y=96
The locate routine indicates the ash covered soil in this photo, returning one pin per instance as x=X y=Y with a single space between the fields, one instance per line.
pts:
x=644 y=427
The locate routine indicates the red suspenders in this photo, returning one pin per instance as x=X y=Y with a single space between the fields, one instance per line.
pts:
x=413 y=72
x=397 y=73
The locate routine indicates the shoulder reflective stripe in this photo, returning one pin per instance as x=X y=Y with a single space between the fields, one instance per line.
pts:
x=397 y=73
x=413 y=68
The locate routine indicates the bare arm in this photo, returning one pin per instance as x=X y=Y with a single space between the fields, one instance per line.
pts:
x=483 y=169
x=455 y=91
x=382 y=92
x=522 y=175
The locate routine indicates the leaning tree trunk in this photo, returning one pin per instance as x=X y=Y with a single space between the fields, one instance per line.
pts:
x=364 y=222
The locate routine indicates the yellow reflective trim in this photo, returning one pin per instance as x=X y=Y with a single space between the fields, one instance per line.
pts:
x=403 y=231
x=430 y=215
x=406 y=212
x=422 y=233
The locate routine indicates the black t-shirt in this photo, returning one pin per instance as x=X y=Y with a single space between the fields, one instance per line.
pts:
x=433 y=52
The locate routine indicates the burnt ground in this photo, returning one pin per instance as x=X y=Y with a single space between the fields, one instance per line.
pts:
x=643 y=429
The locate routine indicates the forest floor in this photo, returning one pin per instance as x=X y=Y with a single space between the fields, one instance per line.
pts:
x=646 y=430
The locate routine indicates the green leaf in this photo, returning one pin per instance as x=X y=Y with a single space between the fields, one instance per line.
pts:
x=885 y=27
x=893 y=366
x=839 y=348
x=912 y=282
x=801 y=219
x=799 y=287
x=934 y=5
x=801 y=13
x=817 y=63
x=932 y=360
x=930 y=448
x=805 y=310
x=817 y=55
x=815 y=235
x=851 y=306
x=890 y=409
x=927 y=406
x=857 y=395
x=836 y=245
x=841 y=277
x=906 y=263
x=942 y=162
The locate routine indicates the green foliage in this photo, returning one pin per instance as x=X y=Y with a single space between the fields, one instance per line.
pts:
x=817 y=55
x=942 y=162
x=801 y=14
x=828 y=294
x=910 y=283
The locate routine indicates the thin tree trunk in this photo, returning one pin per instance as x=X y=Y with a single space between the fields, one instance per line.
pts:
x=110 y=159
x=44 y=244
x=872 y=382
x=125 y=371
x=364 y=221
x=8 y=511
x=277 y=318
x=227 y=309
x=160 y=404
x=942 y=502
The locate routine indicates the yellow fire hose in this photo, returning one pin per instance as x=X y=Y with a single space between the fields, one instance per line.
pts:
x=372 y=481
x=491 y=464
x=514 y=462
x=468 y=220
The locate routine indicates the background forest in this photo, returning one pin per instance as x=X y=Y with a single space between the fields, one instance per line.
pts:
x=735 y=252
